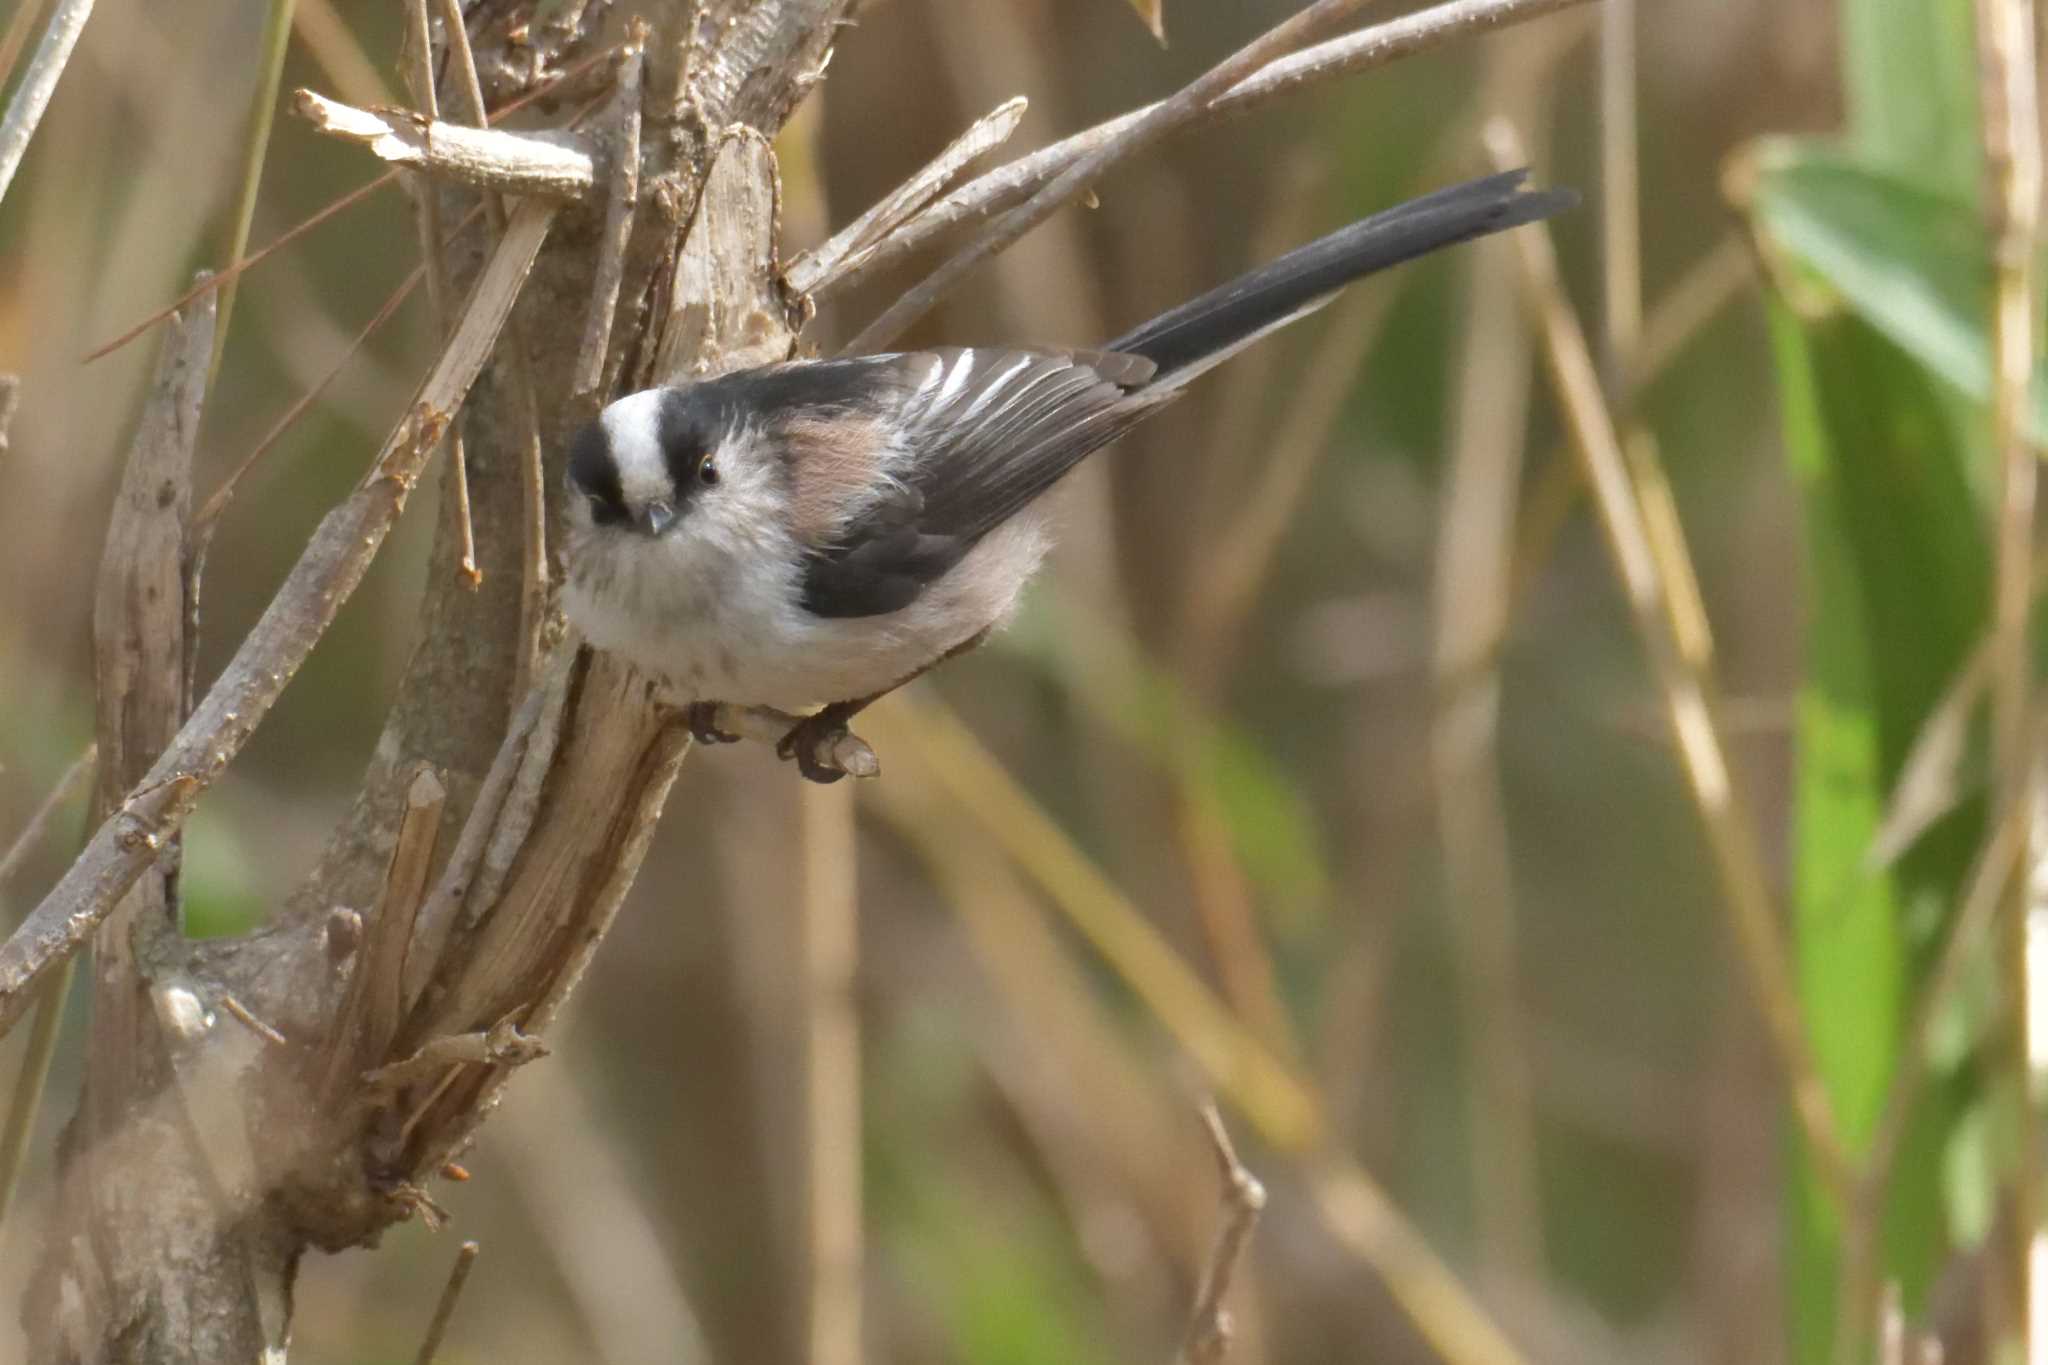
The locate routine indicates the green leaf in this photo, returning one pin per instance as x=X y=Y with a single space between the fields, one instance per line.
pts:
x=1896 y=578
x=1909 y=80
x=1909 y=257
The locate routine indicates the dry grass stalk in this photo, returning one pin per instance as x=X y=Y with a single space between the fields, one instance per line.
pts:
x=832 y=1073
x=38 y=827
x=1473 y=602
x=2009 y=104
x=1731 y=835
x=32 y=96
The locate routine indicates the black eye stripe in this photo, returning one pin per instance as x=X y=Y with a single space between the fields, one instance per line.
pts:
x=594 y=475
x=686 y=439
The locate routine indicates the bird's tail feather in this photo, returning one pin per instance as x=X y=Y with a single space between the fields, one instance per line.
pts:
x=1208 y=330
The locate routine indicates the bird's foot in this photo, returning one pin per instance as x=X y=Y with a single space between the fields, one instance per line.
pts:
x=702 y=719
x=813 y=736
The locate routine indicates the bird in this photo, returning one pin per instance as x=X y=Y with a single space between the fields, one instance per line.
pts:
x=818 y=532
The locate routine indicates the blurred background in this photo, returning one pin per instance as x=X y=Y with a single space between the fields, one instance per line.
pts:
x=1325 y=771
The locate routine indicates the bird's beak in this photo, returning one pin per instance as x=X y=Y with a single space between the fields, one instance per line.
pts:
x=657 y=517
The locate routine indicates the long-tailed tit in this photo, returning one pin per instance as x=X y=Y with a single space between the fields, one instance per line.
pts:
x=820 y=532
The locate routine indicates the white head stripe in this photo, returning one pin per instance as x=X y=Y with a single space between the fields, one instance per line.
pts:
x=632 y=428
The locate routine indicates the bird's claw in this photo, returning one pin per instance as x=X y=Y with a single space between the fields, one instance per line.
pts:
x=702 y=719
x=806 y=738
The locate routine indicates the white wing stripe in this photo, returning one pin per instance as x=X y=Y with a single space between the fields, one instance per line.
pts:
x=956 y=379
x=994 y=387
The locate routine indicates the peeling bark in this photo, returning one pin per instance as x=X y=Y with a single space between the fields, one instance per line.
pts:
x=236 y=1153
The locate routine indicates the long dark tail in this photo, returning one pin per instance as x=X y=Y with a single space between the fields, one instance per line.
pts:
x=1203 y=331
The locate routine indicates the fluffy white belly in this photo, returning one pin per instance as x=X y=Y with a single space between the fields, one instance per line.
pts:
x=723 y=621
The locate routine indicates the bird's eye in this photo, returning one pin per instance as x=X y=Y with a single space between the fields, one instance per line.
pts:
x=707 y=471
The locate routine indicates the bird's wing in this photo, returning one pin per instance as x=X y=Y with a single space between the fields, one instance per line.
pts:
x=987 y=431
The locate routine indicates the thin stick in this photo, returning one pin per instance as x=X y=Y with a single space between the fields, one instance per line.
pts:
x=291 y=234
x=1244 y=1198
x=243 y=1016
x=38 y=827
x=623 y=137
x=533 y=558
x=222 y=277
x=1365 y=50
x=33 y=97
x=440 y=291
x=217 y=501
x=2009 y=104
x=458 y=1276
x=326 y=574
x=1730 y=833
x=814 y=269
x=555 y=165
x=533 y=561
x=1184 y=107
x=277 y=33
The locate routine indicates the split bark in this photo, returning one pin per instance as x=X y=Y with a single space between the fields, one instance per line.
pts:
x=237 y=1154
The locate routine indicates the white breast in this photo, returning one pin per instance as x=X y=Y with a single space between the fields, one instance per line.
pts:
x=714 y=607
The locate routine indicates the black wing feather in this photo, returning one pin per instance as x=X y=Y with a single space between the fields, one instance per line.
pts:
x=991 y=430
x=994 y=429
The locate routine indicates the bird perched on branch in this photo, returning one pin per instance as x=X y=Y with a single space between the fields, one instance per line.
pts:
x=820 y=532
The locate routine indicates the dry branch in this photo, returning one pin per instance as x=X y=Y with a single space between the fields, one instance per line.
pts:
x=1185 y=106
x=854 y=243
x=1012 y=184
x=1244 y=1198
x=129 y=842
x=140 y=643
x=552 y=165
